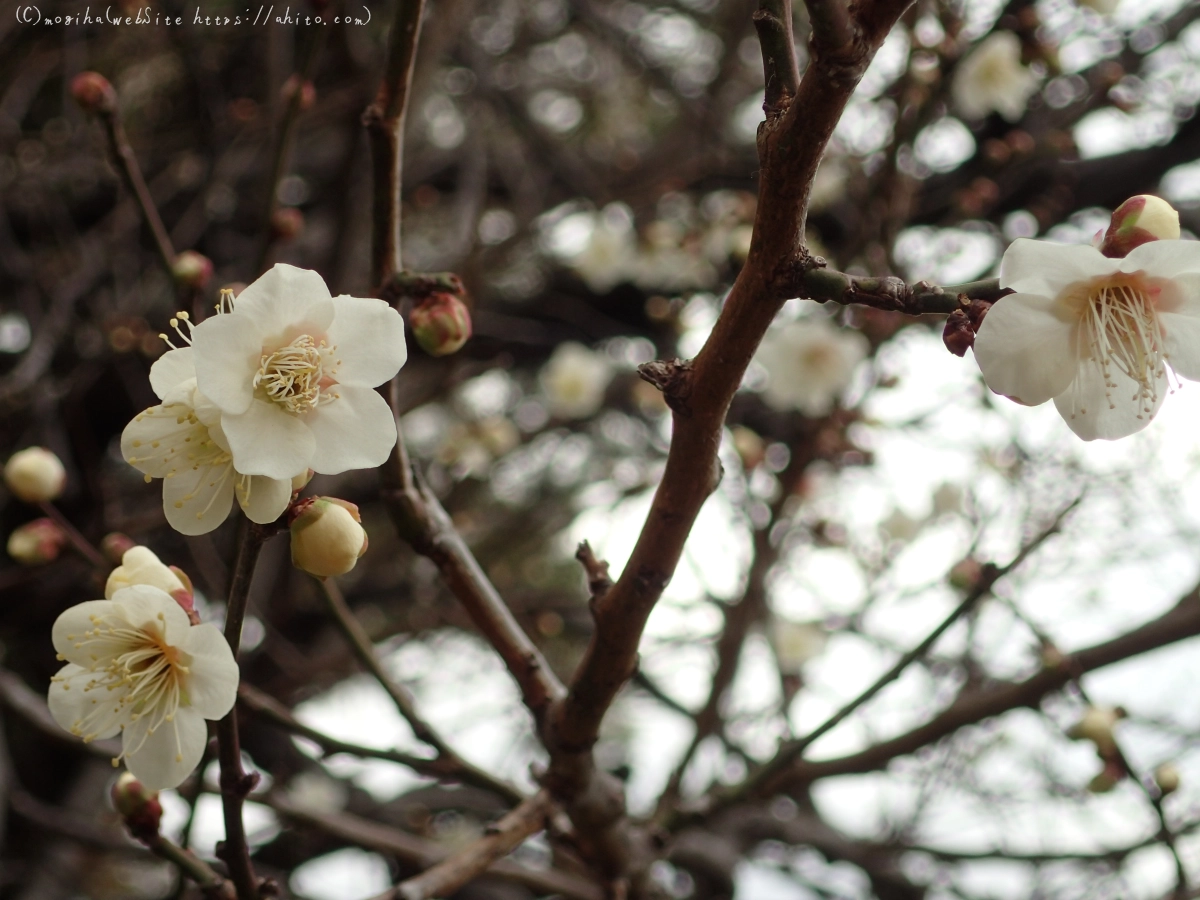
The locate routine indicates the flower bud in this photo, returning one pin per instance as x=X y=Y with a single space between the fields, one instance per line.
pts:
x=308 y=91
x=1138 y=221
x=114 y=545
x=138 y=807
x=965 y=574
x=139 y=565
x=1109 y=777
x=35 y=475
x=327 y=537
x=192 y=269
x=36 y=543
x=1166 y=777
x=749 y=446
x=1097 y=726
x=287 y=222
x=94 y=93
x=441 y=324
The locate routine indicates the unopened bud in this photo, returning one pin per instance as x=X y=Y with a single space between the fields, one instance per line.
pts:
x=441 y=323
x=327 y=536
x=37 y=543
x=965 y=574
x=1097 y=726
x=287 y=222
x=114 y=546
x=308 y=91
x=139 y=565
x=192 y=269
x=1166 y=777
x=94 y=93
x=1138 y=221
x=35 y=475
x=1109 y=777
x=138 y=807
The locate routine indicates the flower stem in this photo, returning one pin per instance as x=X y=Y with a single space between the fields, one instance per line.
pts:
x=235 y=782
x=210 y=883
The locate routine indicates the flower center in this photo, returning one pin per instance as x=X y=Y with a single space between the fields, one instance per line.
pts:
x=135 y=673
x=294 y=376
x=1121 y=331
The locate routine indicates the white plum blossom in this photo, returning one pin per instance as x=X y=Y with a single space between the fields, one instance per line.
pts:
x=992 y=79
x=809 y=363
x=608 y=255
x=574 y=380
x=795 y=643
x=182 y=442
x=137 y=666
x=1099 y=336
x=292 y=373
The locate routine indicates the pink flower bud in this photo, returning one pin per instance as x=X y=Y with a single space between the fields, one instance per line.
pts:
x=115 y=545
x=327 y=536
x=441 y=324
x=192 y=269
x=308 y=92
x=1138 y=221
x=35 y=475
x=36 y=543
x=94 y=93
x=138 y=807
x=287 y=222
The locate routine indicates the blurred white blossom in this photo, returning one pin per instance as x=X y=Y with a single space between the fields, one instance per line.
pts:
x=991 y=79
x=808 y=364
x=574 y=380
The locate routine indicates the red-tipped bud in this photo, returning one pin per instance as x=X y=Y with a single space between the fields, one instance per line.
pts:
x=308 y=92
x=1138 y=221
x=35 y=475
x=441 y=324
x=138 y=807
x=94 y=93
x=192 y=269
x=115 y=545
x=37 y=543
x=287 y=222
x=327 y=536
x=962 y=325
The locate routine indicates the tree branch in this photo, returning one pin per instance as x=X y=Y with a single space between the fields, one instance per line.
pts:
x=473 y=860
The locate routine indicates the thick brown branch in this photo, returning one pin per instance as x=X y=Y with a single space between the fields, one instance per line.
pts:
x=473 y=860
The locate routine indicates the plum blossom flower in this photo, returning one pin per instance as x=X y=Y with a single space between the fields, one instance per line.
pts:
x=1097 y=335
x=137 y=666
x=182 y=442
x=291 y=371
x=574 y=380
x=809 y=363
x=992 y=79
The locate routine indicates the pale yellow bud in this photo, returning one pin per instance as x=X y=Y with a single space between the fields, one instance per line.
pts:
x=327 y=537
x=35 y=475
x=1166 y=777
x=1097 y=726
x=139 y=565
x=1138 y=221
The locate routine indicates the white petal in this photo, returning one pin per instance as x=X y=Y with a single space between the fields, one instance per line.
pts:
x=169 y=755
x=1093 y=411
x=355 y=431
x=265 y=440
x=369 y=337
x=69 y=703
x=1164 y=259
x=145 y=606
x=263 y=499
x=1026 y=348
x=158 y=439
x=198 y=500
x=285 y=303
x=70 y=626
x=1046 y=268
x=1181 y=328
x=229 y=350
x=172 y=369
x=213 y=674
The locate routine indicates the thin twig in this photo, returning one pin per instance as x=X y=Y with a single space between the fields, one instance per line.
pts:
x=235 y=782
x=450 y=762
x=473 y=860
x=81 y=544
x=210 y=883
